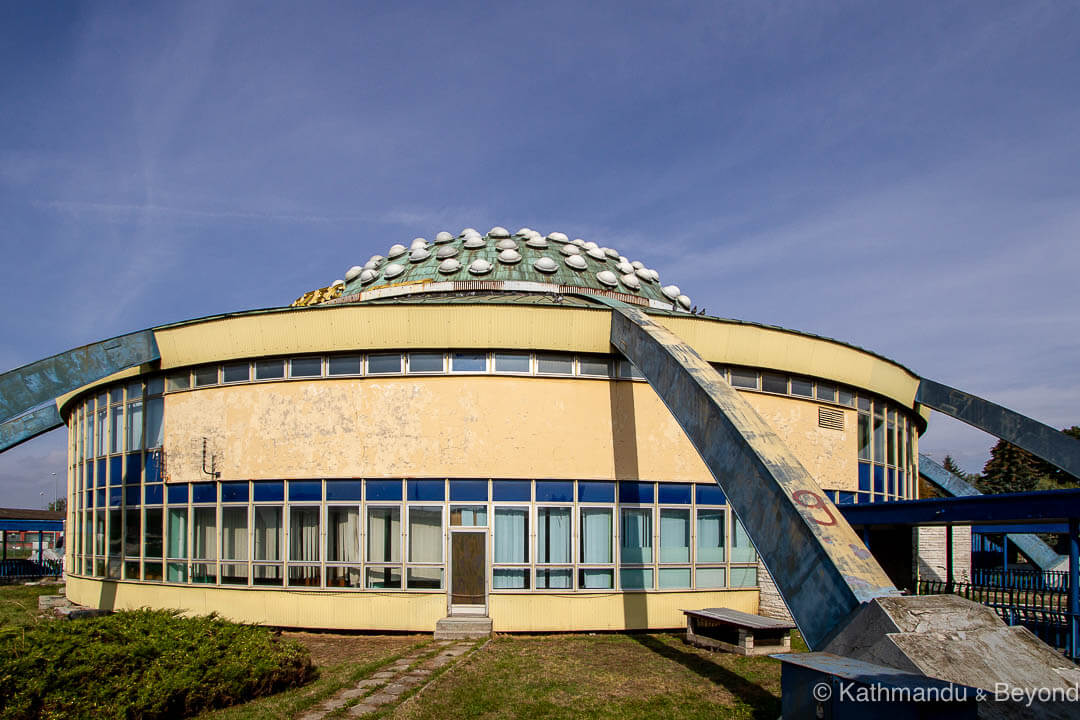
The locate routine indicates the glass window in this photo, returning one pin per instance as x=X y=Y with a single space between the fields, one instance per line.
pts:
x=234 y=492
x=468 y=515
x=674 y=536
x=846 y=397
x=742 y=550
x=116 y=434
x=345 y=365
x=424 y=578
x=596 y=491
x=629 y=370
x=863 y=438
x=384 y=535
x=269 y=369
x=554 y=364
x=595 y=365
x=674 y=493
x=383 y=490
x=425 y=534
x=305 y=367
x=674 y=578
x=384 y=364
x=344 y=490
x=507 y=362
x=890 y=438
x=154 y=422
x=268 y=490
x=554 y=578
x=206 y=375
x=204 y=493
x=425 y=362
x=383 y=578
x=711 y=577
x=879 y=435
x=152 y=537
x=744 y=378
x=468 y=362
x=636 y=578
x=204 y=533
x=710 y=495
x=510 y=578
x=177 y=533
x=636 y=535
x=469 y=490
x=342 y=534
x=711 y=531
x=864 y=404
x=132 y=532
x=236 y=372
x=155 y=386
x=771 y=382
x=636 y=492
x=826 y=392
x=234 y=535
x=511 y=535
x=428 y=490
x=554 y=491
x=305 y=490
x=596 y=578
x=553 y=535
x=802 y=387
x=134 y=426
x=268 y=533
x=743 y=576
x=304 y=534
x=179 y=381
x=512 y=490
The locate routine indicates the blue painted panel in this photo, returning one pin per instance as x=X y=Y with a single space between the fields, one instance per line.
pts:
x=19 y=429
x=846 y=498
x=468 y=491
x=511 y=490
x=636 y=492
x=133 y=469
x=554 y=491
x=864 y=477
x=383 y=490
x=116 y=470
x=178 y=494
x=674 y=493
x=430 y=490
x=892 y=481
x=153 y=466
x=234 y=492
x=153 y=494
x=268 y=490
x=600 y=492
x=305 y=490
x=879 y=479
x=710 y=495
x=42 y=381
x=89 y=474
x=344 y=490
x=204 y=493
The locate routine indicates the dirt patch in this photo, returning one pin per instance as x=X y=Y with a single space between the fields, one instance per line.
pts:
x=328 y=649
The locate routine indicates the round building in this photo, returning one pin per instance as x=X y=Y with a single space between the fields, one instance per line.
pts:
x=446 y=431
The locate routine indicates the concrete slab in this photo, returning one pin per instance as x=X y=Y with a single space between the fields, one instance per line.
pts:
x=362 y=709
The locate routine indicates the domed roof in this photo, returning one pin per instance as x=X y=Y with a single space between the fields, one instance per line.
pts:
x=522 y=262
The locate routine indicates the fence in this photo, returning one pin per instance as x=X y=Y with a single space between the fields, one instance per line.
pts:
x=23 y=569
x=1040 y=605
x=1054 y=580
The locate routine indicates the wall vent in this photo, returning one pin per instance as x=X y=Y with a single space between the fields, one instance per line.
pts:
x=830 y=418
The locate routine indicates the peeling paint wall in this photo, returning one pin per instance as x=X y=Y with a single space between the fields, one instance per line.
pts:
x=468 y=426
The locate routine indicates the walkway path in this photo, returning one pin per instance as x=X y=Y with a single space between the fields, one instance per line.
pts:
x=387 y=686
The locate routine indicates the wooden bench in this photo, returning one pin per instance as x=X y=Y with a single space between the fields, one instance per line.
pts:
x=737 y=632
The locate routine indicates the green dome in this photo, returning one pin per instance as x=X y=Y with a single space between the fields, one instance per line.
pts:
x=520 y=262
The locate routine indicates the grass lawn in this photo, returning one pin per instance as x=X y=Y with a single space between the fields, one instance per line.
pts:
x=645 y=675
x=342 y=660
x=19 y=604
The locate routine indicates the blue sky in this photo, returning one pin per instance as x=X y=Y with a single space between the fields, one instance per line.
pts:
x=902 y=176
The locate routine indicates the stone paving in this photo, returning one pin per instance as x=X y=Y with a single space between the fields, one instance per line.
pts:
x=388 y=685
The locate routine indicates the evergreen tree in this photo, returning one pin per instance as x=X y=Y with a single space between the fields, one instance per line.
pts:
x=952 y=467
x=1010 y=469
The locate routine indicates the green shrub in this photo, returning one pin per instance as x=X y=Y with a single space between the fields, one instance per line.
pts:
x=143 y=664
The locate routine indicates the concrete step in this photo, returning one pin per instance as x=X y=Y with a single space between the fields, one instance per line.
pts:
x=462 y=628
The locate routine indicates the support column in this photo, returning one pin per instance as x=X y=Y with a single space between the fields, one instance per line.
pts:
x=1074 y=587
x=948 y=559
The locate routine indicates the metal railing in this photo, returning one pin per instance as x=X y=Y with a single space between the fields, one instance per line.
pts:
x=23 y=569
x=1017 y=601
x=1054 y=580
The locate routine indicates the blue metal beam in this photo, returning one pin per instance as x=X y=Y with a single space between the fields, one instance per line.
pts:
x=36 y=422
x=1041 y=440
x=1014 y=531
x=820 y=565
x=40 y=382
x=1032 y=547
x=32 y=525
x=1049 y=506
